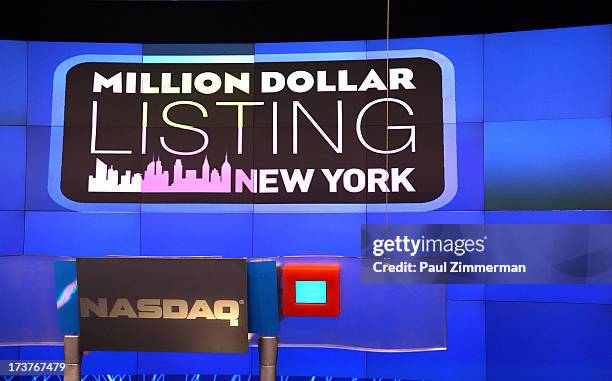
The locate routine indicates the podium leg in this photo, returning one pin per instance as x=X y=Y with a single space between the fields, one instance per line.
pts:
x=268 y=353
x=72 y=358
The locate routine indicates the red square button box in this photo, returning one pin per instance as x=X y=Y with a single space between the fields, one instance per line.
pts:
x=319 y=281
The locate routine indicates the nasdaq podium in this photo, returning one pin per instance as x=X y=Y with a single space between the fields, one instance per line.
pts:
x=313 y=301
x=172 y=304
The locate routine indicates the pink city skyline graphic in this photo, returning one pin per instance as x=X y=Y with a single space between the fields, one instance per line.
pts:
x=156 y=179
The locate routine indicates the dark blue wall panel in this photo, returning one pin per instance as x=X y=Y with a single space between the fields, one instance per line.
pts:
x=548 y=341
x=549 y=217
x=548 y=164
x=303 y=234
x=73 y=234
x=209 y=234
x=464 y=359
x=9 y=353
x=12 y=225
x=14 y=82
x=37 y=169
x=193 y=363
x=315 y=362
x=110 y=363
x=12 y=169
x=470 y=168
x=568 y=293
x=54 y=352
x=547 y=74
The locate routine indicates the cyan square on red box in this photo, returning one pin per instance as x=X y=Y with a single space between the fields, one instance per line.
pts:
x=328 y=272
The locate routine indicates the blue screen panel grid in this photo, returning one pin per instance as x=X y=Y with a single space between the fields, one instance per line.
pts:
x=534 y=145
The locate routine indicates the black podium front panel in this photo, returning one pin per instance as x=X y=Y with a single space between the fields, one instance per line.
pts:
x=163 y=304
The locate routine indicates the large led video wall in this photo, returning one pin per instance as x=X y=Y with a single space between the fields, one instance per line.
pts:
x=276 y=149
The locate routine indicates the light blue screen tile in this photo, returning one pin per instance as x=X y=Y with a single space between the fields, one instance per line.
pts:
x=311 y=291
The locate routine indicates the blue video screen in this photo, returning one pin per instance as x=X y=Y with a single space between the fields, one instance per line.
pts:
x=526 y=140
